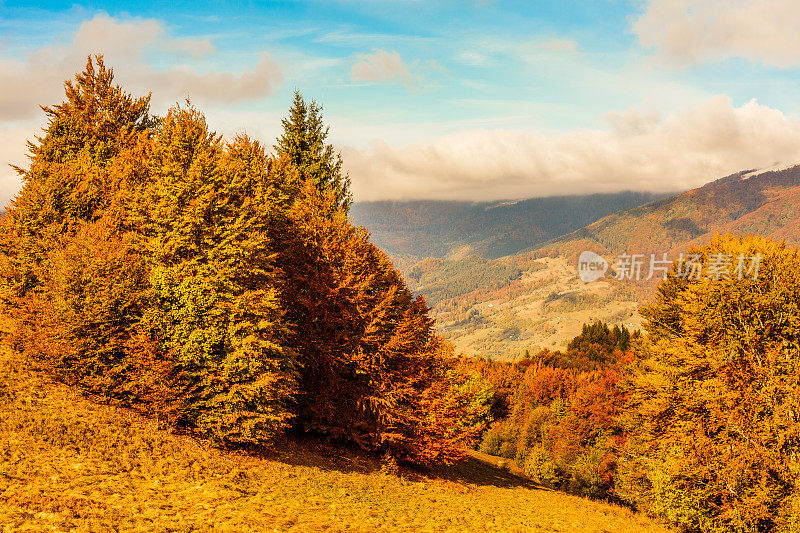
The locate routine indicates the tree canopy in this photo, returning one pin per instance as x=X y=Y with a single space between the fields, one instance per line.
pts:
x=151 y=262
x=712 y=416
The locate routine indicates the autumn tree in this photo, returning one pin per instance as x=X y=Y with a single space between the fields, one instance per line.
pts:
x=303 y=144
x=70 y=279
x=149 y=262
x=68 y=182
x=207 y=223
x=371 y=368
x=556 y=411
x=712 y=417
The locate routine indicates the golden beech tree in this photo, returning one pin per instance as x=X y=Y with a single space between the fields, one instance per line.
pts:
x=148 y=261
x=712 y=417
x=215 y=305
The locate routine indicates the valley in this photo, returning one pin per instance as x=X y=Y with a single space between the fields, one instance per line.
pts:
x=532 y=299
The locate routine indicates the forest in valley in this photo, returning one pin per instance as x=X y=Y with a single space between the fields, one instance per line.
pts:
x=220 y=287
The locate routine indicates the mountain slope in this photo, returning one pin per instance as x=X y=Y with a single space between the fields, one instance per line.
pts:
x=535 y=299
x=443 y=229
x=67 y=464
x=762 y=202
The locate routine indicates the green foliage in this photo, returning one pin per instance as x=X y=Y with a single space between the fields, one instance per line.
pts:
x=596 y=346
x=616 y=338
x=303 y=145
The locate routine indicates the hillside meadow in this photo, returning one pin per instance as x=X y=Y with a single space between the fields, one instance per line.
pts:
x=68 y=464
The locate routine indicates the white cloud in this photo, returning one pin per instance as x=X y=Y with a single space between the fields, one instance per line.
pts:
x=636 y=152
x=191 y=47
x=380 y=66
x=690 y=31
x=560 y=45
x=37 y=78
x=12 y=152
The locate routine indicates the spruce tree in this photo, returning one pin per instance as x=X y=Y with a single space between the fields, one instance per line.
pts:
x=303 y=144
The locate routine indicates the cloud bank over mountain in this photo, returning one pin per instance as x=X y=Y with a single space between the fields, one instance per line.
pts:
x=635 y=151
x=599 y=98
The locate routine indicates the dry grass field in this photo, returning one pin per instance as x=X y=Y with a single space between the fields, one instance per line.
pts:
x=68 y=464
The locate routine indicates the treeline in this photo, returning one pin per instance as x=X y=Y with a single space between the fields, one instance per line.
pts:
x=556 y=410
x=695 y=422
x=217 y=287
x=443 y=279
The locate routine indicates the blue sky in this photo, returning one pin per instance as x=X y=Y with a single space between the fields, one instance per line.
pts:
x=447 y=99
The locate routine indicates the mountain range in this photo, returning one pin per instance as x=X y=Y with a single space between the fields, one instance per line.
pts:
x=449 y=229
x=502 y=278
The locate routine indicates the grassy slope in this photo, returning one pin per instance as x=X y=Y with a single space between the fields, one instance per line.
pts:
x=67 y=464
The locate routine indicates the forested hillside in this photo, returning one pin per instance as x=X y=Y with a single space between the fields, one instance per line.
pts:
x=535 y=297
x=759 y=202
x=694 y=422
x=442 y=229
x=220 y=289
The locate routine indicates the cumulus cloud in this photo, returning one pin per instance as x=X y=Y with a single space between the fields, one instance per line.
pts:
x=191 y=47
x=637 y=151
x=37 y=78
x=690 y=31
x=381 y=66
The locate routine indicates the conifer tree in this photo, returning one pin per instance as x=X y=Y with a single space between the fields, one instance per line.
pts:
x=303 y=143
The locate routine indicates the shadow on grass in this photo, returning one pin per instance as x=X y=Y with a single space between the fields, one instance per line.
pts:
x=477 y=472
x=318 y=452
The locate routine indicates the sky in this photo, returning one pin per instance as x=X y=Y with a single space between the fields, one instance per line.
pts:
x=467 y=100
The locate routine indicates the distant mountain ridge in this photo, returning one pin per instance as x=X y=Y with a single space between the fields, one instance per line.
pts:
x=759 y=202
x=532 y=298
x=453 y=229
